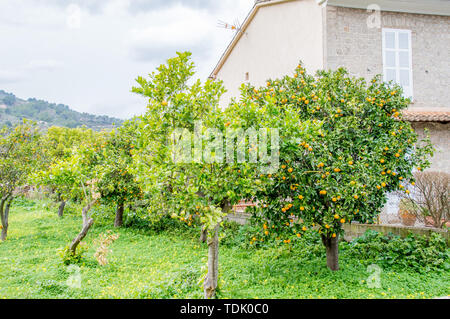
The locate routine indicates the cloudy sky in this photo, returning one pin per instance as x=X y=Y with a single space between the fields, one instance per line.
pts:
x=87 y=53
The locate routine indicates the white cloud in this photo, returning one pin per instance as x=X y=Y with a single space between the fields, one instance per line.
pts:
x=49 y=65
x=92 y=68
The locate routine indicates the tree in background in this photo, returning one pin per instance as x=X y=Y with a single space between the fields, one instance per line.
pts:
x=19 y=156
x=57 y=145
x=357 y=150
x=116 y=183
x=77 y=177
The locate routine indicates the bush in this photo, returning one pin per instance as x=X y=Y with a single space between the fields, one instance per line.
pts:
x=418 y=253
x=429 y=201
x=69 y=258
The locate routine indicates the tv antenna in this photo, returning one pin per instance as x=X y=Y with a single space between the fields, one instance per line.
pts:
x=236 y=26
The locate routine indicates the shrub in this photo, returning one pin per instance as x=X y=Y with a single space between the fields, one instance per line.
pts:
x=419 y=253
x=429 y=198
x=70 y=258
x=104 y=241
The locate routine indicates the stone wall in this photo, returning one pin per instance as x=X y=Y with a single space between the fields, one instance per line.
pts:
x=356 y=230
x=352 y=44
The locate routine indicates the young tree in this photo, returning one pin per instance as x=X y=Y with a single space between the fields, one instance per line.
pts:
x=77 y=176
x=57 y=145
x=197 y=186
x=19 y=156
x=357 y=151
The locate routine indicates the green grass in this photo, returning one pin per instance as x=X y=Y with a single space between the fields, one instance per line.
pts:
x=170 y=263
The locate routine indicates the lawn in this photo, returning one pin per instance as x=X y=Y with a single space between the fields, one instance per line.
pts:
x=145 y=263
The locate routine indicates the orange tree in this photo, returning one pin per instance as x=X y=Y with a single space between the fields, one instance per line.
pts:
x=197 y=187
x=57 y=145
x=116 y=183
x=20 y=154
x=359 y=151
x=77 y=178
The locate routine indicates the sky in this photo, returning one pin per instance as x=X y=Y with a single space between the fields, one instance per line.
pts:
x=88 y=53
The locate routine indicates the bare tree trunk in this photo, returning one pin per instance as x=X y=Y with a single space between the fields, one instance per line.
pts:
x=62 y=205
x=87 y=223
x=118 y=222
x=4 y=214
x=204 y=234
x=211 y=279
x=332 y=247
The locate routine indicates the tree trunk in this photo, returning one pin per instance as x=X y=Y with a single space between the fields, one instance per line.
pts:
x=87 y=223
x=4 y=213
x=118 y=222
x=61 y=208
x=332 y=247
x=211 y=279
x=204 y=235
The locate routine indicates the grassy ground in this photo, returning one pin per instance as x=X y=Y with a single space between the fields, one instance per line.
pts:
x=148 y=264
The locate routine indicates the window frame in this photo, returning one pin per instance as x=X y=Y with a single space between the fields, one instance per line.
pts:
x=397 y=50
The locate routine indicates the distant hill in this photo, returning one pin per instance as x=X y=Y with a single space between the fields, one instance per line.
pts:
x=13 y=109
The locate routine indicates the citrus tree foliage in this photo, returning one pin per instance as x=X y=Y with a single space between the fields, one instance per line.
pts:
x=59 y=141
x=57 y=146
x=72 y=174
x=359 y=150
x=116 y=182
x=19 y=156
x=199 y=191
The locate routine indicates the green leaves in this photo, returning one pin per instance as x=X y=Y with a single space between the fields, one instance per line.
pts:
x=351 y=149
x=20 y=154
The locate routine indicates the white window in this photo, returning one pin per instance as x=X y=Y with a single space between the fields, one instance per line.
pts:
x=397 y=59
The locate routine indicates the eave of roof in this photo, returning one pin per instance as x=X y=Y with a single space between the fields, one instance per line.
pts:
x=426 y=115
x=433 y=7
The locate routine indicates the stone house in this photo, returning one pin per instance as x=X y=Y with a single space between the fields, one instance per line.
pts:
x=407 y=41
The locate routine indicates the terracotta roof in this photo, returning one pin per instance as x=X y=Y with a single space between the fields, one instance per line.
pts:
x=426 y=116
